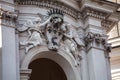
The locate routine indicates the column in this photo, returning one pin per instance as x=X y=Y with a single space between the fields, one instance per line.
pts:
x=95 y=46
x=25 y=74
x=9 y=58
x=0 y=52
x=84 y=64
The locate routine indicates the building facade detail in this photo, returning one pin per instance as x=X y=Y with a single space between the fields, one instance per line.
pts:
x=8 y=18
x=71 y=34
x=54 y=33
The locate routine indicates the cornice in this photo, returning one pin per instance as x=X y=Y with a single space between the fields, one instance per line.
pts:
x=7 y=3
x=107 y=2
x=51 y=5
x=107 y=24
x=93 y=10
x=88 y=11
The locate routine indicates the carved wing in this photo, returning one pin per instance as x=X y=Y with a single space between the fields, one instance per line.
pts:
x=43 y=17
x=77 y=38
x=25 y=26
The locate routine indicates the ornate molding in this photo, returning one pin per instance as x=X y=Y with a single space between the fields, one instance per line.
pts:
x=107 y=24
x=102 y=15
x=25 y=74
x=53 y=33
x=51 y=5
x=88 y=11
x=8 y=18
x=85 y=12
x=98 y=39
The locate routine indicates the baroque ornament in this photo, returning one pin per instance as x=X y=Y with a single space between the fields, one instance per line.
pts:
x=54 y=32
x=8 y=17
x=98 y=39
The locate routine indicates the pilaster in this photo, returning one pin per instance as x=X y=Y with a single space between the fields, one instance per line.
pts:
x=8 y=18
x=84 y=64
x=96 y=45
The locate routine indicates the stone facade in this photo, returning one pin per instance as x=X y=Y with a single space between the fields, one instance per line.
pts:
x=71 y=33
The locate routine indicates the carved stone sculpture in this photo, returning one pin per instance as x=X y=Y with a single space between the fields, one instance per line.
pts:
x=89 y=37
x=98 y=38
x=72 y=41
x=34 y=35
x=54 y=32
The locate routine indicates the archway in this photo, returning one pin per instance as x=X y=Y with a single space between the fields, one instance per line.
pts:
x=46 y=69
x=60 y=57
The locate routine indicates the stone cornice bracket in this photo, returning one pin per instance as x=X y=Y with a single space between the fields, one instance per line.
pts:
x=87 y=11
x=8 y=18
x=51 y=4
x=107 y=24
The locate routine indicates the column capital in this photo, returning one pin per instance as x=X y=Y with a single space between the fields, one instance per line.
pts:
x=97 y=41
x=82 y=48
x=7 y=17
x=25 y=74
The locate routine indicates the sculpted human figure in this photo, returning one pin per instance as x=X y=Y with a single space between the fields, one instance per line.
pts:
x=72 y=41
x=34 y=35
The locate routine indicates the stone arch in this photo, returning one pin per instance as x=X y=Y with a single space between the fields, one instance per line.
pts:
x=61 y=58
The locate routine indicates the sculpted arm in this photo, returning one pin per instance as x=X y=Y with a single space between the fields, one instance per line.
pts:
x=46 y=22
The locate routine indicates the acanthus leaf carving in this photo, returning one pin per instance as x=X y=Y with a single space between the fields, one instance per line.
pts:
x=98 y=39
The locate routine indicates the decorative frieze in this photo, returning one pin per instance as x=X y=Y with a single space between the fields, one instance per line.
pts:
x=8 y=18
x=51 y=5
x=87 y=11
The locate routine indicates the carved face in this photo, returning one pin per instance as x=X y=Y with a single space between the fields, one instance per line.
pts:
x=56 y=20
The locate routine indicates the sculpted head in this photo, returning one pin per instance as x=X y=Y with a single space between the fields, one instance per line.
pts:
x=56 y=16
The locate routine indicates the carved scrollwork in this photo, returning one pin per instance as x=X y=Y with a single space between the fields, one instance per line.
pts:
x=54 y=32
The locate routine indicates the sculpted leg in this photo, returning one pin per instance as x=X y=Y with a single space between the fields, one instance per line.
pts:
x=28 y=48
